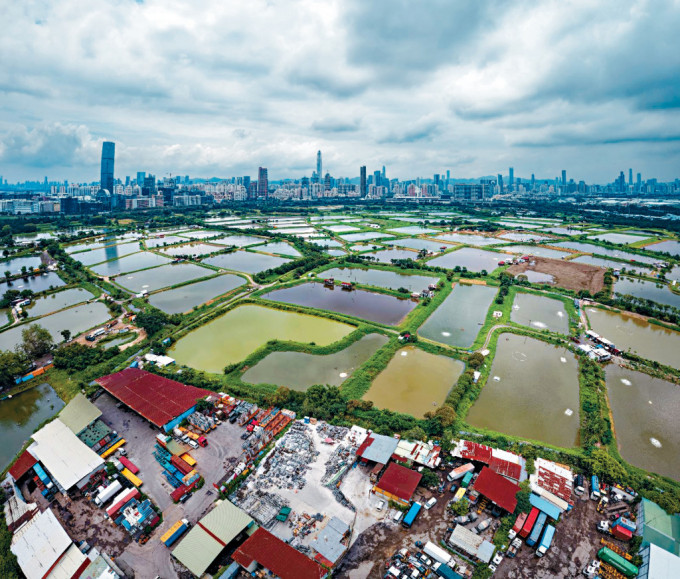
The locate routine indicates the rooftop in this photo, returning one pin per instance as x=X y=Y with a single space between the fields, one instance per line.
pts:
x=471 y=543
x=505 y=463
x=498 y=489
x=377 y=448
x=156 y=398
x=276 y=556
x=22 y=465
x=79 y=413
x=554 y=478
x=424 y=453
x=658 y=527
x=399 y=481
x=658 y=563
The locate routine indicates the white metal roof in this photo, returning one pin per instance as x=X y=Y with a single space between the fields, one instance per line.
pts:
x=69 y=564
x=39 y=544
x=63 y=454
x=662 y=564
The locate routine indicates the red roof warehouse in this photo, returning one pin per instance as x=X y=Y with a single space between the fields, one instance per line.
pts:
x=399 y=481
x=158 y=399
x=278 y=557
x=498 y=489
x=22 y=465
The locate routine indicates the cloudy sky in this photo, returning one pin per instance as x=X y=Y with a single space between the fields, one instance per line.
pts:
x=217 y=88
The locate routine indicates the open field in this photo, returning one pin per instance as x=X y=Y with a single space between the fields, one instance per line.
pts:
x=566 y=274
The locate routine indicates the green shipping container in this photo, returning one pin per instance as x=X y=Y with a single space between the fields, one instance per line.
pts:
x=466 y=480
x=619 y=563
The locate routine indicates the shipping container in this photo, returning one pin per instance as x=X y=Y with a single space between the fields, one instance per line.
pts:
x=622 y=533
x=437 y=553
x=619 y=563
x=105 y=494
x=411 y=515
x=529 y=523
x=467 y=479
x=175 y=532
x=546 y=540
x=517 y=527
x=445 y=571
x=626 y=523
x=113 y=448
x=537 y=530
x=131 y=477
x=186 y=457
x=129 y=465
x=121 y=500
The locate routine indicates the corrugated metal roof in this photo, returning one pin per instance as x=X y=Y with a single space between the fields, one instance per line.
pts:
x=197 y=550
x=339 y=525
x=68 y=565
x=662 y=564
x=465 y=540
x=399 y=481
x=485 y=551
x=497 y=489
x=378 y=448
x=226 y=521
x=546 y=506
x=22 y=465
x=79 y=413
x=63 y=454
x=328 y=544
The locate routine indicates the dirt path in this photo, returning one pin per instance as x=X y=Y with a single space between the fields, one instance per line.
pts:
x=490 y=334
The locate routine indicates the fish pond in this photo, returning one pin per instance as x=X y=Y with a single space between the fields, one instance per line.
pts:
x=279 y=248
x=633 y=334
x=238 y=240
x=365 y=236
x=456 y=322
x=523 y=237
x=469 y=239
x=415 y=243
x=536 y=250
x=618 y=237
x=387 y=255
x=532 y=392
x=672 y=247
x=413 y=230
x=232 y=337
x=36 y=283
x=182 y=299
x=134 y=262
x=106 y=253
x=299 y=370
x=164 y=276
x=608 y=252
x=649 y=290
x=645 y=411
x=380 y=278
x=246 y=261
x=470 y=258
x=540 y=312
x=414 y=382
x=610 y=263
x=57 y=301
x=15 y=264
x=197 y=248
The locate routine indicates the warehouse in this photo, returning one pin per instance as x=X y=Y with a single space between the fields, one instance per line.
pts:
x=377 y=448
x=398 y=483
x=471 y=544
x=84 y=419
x=161 y=401
x=498 y=489
x=224 y=525
x=507 y=464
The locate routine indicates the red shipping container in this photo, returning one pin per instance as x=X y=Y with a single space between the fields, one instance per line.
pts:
x=181 y=464
x=129 y=465
x=529 y=523
x=622 y=533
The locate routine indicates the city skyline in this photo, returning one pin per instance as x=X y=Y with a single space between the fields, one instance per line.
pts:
x=468 y=88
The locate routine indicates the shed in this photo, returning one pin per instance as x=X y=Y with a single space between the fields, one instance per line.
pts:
x=398 y=483
x=377 y=448
x=498 y=489
x=471 y=544
x=22 y=465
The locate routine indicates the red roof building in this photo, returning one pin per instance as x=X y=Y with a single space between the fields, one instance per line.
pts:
x=158 y=399
x=398 y=483
x=498 y=489
x=22 y=465
x=278 y=557
x=495 y=459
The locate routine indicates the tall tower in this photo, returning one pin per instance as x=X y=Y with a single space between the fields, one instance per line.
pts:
x=630 y=177
x=564 y=178
x=262 y=182
x=319 y=165
x=511 y=179
x=108 y=156
x=362 y=180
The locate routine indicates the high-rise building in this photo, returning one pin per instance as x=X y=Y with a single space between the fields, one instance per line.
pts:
x=263 y=180
x=362 y=181
x=630 y=177
x=140 y=177
x=511 y=179
x=639 y=180
x=108 y=156
x=564 y=178
x=533 y=181
x=377 y=178
x=500 y=182
x=383 y=175
x=319 y=164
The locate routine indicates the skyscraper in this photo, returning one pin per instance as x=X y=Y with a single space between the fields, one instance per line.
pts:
x=263 y=180
x=108 y=155
x=500 y=182
x=511 y=179
x=630 y=177
x=564 y=178
x=362 y=180
x=377 y=178
x=319 y=165
x=140 y=177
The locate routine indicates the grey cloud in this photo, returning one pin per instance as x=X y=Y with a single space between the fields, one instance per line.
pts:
x=419 y=131
x=332 y=125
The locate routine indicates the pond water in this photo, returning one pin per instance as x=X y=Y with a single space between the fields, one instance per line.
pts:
x=160 y=277
x=182 y=299
x=540 y=312
x=341 y=228
x=672 y=247
x=36 y=283
x=167 y=240
x=365 y=236
x=15 y=264
x=524 y=224
x=325 y=242
x=299 y=371
x=632 y=334
x=278 y=247
x=246 y=261
x=417 y=244
x=134 y=262
x=197 y=248
x=469 y=239
x=380 y=308
x=21 y=415
x=645 y=411
x=414 y=382
x=618 y=237
x=470 y=258
x=106 y=253
x=516 y=236
x=619 y=254
x=200 y=234
x=457 y=320
x=538 y=276
x=77 y=319
x=603 y=262
x=413 y=230
x=58 y=301
x=380 y=278
x=532 y=392
x=335 y=252
x=562 y=230
x=238 y=333
x=536 y=250
x=119 y=341
x=239 y=240
x=649 y=290
x=387 y=255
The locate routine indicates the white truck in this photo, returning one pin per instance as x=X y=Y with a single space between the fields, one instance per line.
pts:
x=437 y=553
x=106 y=493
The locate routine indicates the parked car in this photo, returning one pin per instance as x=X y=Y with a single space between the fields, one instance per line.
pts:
x=431 y=503
x=380 y=505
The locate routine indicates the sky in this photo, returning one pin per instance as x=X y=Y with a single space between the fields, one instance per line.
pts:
x=219 y=88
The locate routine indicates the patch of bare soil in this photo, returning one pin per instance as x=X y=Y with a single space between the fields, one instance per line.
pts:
x=566 y=274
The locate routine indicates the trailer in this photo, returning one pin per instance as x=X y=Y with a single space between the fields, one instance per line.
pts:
x=594 y=488
x=437 y=553
x=121 y=500
x=467 y=479
x=624 y=567
x=411 y=515
x=529 y=523
x=135 y=480
x=621 y=533
x=460 y=493
x=517 y=527
x=546 y=541
x=175 y=532
x=107 y=493
x=128 y=464
x=109 y=451
x=537 y=530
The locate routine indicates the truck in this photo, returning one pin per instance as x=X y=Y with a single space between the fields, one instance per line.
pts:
x=460 y=493
x=529 y=523
x=546 y=541
x=517 y=527
x=579 y=485
x=615 y=560
x=460 y=472
x=466 y=480
x=175 y=532
x=202 y=441
x=107 y=493
x=437 y=553
x=514 y=548
x=594 y=488
x=411 y=515
x=537 y=530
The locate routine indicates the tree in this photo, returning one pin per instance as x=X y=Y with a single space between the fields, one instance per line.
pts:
x=523 y=504
x=151 y=321
x=416 y=433
x=461 y=507
x=8 y=275
x=475 y=360
x=12 y=364
x=324 y=402
x=37 y=341
x=430 y=479
x=446 y=415
x=66 y=334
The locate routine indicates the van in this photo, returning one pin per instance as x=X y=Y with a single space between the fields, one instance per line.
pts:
x=397 y=516
x=579 y=489
x=431 y=503
x=193 y=443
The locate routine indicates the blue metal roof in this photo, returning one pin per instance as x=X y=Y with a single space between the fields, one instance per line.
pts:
x=553 y=511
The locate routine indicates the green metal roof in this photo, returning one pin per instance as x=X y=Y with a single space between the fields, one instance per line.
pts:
x=79 y=413
x=660 y=528
x=94 y=433
x=226 y=521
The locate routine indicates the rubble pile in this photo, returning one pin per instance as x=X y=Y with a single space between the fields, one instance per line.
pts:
x=325 y=430
x=262 y=506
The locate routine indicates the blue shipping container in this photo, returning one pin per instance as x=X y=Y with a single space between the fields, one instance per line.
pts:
x=411 y=515
x=537 y=530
